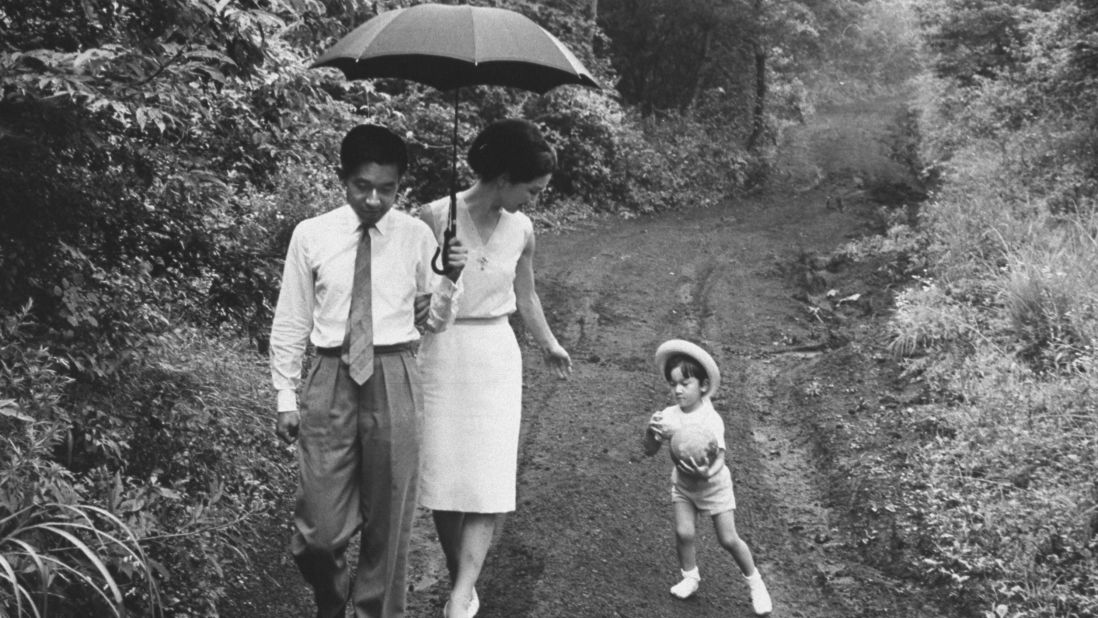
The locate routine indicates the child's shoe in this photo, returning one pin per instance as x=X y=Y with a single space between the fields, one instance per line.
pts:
x=689 y=584
x=760 y=598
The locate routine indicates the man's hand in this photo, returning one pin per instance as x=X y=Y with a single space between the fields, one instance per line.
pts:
x=423 y=310
x=287 y=426
x=457 y=257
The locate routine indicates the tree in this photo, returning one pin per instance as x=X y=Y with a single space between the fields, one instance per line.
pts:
x=670 y=52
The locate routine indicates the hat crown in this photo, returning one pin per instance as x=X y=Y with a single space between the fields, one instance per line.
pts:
x=674 y=347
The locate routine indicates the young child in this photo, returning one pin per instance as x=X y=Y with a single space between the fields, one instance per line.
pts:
x=699 y=486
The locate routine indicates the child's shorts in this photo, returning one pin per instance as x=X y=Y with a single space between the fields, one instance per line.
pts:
x=710 y=496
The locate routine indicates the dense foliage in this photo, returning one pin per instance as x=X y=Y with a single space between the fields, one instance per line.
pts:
x=155 y=157
x=998 y=498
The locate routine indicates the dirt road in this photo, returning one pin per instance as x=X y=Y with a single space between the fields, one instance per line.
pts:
x=592 y=535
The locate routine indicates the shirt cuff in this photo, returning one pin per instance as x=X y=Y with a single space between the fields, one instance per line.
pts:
x=447 y=288
x=287 y=400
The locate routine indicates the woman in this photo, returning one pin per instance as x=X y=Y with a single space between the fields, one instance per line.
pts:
x=472 y=372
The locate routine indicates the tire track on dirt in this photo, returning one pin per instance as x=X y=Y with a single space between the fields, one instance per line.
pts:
x=592 y=534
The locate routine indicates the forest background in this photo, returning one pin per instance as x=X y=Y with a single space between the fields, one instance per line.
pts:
x=155 y=156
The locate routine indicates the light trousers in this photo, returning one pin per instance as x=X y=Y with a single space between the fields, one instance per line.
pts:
x=358 y=457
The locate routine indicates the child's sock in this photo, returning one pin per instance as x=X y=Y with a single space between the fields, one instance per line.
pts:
x=689 y=584
x=760 y=598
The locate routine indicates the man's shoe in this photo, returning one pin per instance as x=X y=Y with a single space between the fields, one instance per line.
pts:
x=760 y=598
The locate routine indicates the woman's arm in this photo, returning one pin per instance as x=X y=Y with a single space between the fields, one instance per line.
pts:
x=533 y=316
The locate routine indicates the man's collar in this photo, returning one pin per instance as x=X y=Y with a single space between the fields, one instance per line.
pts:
x=383 y=225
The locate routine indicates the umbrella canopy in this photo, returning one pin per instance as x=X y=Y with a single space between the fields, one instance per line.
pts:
x=450 y=46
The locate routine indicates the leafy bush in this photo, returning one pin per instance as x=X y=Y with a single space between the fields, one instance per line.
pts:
x=1001 y=493
x=59 y=553
x=926 y=316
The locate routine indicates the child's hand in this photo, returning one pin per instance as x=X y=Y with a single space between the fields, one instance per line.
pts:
x=693 y=468
x=716 y=465
x=661 y=427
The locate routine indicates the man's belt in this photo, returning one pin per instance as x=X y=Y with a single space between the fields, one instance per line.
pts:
x=395 y=348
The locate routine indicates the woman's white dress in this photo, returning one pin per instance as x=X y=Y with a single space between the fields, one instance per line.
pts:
x=472 y=377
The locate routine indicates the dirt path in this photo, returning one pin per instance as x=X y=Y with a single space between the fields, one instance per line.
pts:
x=592 y=534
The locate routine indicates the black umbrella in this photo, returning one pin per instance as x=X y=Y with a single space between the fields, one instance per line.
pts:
x=450 y=46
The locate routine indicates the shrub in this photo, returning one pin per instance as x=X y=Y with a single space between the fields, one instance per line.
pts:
x=59 y=552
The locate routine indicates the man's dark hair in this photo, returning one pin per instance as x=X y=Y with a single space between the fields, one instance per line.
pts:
x=370 y=143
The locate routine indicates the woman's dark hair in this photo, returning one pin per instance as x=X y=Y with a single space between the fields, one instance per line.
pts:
x=689 y=367
x=370 y=143
x=514 y=147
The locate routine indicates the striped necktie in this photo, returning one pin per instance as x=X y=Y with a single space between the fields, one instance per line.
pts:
x=358 y=345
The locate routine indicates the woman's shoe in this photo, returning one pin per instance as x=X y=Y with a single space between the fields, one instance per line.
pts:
x=474 y=604
x=470 y=610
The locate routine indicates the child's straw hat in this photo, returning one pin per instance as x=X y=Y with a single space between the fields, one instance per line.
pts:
x=673 y=347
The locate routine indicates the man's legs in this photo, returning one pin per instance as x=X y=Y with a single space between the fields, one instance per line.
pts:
x=389 y=428
x=327 y=512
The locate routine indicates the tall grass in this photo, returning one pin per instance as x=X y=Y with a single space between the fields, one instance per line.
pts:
x=1001 y=499
x=52 y=549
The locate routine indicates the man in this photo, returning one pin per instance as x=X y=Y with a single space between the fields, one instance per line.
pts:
x=349 y=286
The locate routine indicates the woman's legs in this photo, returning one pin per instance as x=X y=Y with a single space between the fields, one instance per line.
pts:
x=448 y=525
x=465 y=539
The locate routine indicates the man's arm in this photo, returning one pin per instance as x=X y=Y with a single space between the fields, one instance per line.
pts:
x=444 y=291
x=290 y=333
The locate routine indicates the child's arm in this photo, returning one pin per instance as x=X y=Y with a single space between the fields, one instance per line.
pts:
x=695 y=469
x=656 y=433
x=652 y=441
x=716 y=465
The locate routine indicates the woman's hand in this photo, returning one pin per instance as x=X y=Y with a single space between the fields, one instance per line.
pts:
x=456 y=257
x=557 y=358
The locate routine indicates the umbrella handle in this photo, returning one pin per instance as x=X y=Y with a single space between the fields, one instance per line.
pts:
x=451 y=224
x=443 y=252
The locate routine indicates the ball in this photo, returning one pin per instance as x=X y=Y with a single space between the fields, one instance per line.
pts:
x=694 y=441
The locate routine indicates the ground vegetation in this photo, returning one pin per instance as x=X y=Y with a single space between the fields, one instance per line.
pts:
x=156 y=156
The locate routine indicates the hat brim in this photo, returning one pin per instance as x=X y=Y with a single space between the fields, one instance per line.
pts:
x=674 y=347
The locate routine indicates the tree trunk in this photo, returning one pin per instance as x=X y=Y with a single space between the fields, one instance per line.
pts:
x=703 y=70
x=758 y=113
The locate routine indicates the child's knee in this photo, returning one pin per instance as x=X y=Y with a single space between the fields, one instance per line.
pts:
x=684 y=533
x=730 y=541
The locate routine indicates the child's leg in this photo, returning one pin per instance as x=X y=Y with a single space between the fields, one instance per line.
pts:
x=725 y=525
x=685 y=514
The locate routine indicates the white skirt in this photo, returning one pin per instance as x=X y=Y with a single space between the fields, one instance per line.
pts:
x=472 y=408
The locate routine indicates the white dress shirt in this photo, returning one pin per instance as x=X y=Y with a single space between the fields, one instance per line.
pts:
x=315 y=299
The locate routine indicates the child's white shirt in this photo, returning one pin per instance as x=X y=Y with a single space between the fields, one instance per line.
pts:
x=704 y=415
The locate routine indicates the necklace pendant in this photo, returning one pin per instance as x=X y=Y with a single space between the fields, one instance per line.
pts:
x=483 y=260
